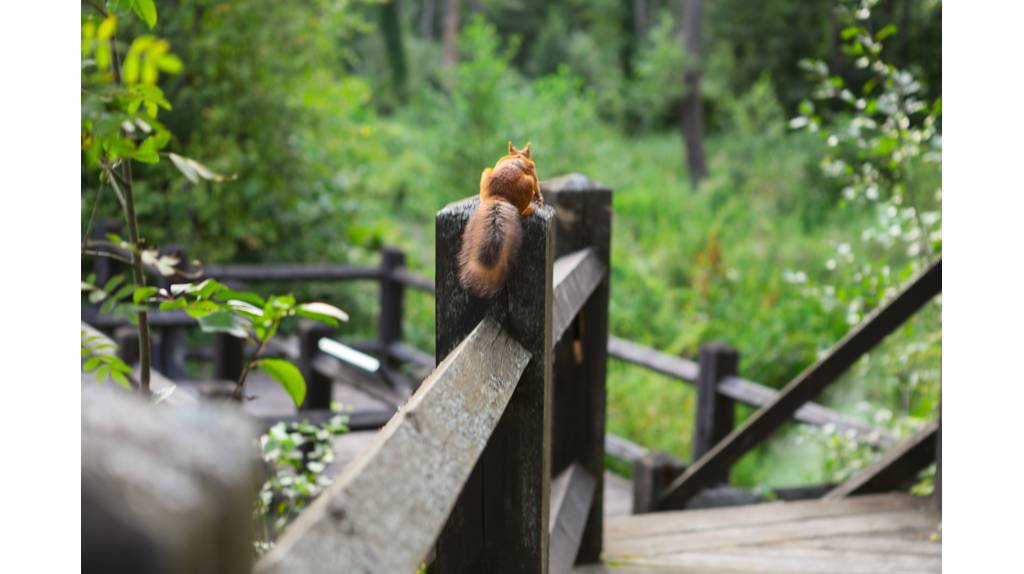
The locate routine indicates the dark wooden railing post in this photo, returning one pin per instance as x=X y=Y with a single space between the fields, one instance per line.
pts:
x=500 y=521
x=715 y=412
x=319 y=387
x=228 y=357
x=392 y=303
x=651 y=474
x=583 y=209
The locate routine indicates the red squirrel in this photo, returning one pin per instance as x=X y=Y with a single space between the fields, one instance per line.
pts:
x=508 y=191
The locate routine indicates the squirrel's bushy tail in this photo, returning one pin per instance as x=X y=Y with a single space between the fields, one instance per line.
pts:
x=489 y=246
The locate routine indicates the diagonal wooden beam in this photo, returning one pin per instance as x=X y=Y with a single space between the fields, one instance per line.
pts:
x=575 y=277
x=896 y=467
x=805 y=387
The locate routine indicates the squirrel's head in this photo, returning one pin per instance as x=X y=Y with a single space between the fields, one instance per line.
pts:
x=525 y=152
x=519 y=158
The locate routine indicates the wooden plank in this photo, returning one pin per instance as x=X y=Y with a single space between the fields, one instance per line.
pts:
x=288 y=272
x=623 y=448
x=897 y=467
x=668 y=365
x=683 y=521
x=728 y=537
x=651 y=474
x=583 y=222
x=413 y=281
x=572 y=493
x=742 y=390
x=806 y=386
x=385 y=510
x=576 y=276
x=503 y=510
x=782 y=560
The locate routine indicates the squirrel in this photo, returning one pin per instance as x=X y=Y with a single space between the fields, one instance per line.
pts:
x=508 y=191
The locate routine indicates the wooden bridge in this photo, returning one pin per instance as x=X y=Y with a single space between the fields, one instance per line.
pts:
x=496 y=462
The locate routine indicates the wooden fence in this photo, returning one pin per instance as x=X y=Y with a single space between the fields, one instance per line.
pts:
x=496 y=462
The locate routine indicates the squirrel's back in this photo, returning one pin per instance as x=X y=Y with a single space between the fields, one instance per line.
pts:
x=489 y=246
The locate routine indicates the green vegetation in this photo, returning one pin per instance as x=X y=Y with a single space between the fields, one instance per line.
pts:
x=823 y=195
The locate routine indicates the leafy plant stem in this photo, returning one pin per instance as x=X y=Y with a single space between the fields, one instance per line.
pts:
x=138 y=275
x=239 y=394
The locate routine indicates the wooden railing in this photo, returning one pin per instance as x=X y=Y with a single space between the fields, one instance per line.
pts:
x=476 y=473
x=720 y=453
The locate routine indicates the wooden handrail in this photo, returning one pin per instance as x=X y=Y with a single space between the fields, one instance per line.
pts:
x=393 y=500
x=878 y=325
x=576 y=276
x=744 y=390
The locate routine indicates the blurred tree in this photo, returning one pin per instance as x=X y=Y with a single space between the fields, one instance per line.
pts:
x=693 y=108
x=391 y=27
x=451 y=33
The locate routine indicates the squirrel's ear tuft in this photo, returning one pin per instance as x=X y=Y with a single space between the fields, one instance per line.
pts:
x=526 y=150
x=511 y=148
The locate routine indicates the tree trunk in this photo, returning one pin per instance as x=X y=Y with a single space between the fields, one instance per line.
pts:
x=451 y=33
x=692 y=108
x=427 y=19
x=391 y=27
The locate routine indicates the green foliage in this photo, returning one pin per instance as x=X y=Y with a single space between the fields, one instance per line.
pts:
x=297 y=455
x=247 y=315
x=98 y=358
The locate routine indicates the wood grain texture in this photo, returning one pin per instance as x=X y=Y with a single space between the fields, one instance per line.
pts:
x=385 y=510
x=894 y=469
x=862 y=534
x=503 y=510
x=576 y=276
x=572 y=494
x=806 y=386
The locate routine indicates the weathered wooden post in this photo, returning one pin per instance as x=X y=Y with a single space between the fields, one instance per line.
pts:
x=500 y=521
x=228 y=357
x=319 y=387
x=651 y=474
x=715 y=412
x=583 y=219
x=392 y=303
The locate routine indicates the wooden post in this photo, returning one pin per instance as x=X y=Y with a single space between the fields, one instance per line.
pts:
x=937 y=495
x=501 y=519
x=228 y=357
x=319 y=387
x=715 y=412
x=583 y=220
x=392 y=303
x=651 y=474
x=127 y=339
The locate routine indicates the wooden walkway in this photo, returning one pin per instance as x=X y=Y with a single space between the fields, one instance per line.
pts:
x=873 y=534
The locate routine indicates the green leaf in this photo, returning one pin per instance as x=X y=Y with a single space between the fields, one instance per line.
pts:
x=223 y=322
x=200 y=309
x=173 y=305
x=91 y=364
x=247 y=296
x=143 y=293
x=146 y=10
x=123 y=291
x=287 y=375
x=885 y=32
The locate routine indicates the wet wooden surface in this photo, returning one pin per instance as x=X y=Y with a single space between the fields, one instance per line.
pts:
x=864 y=534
